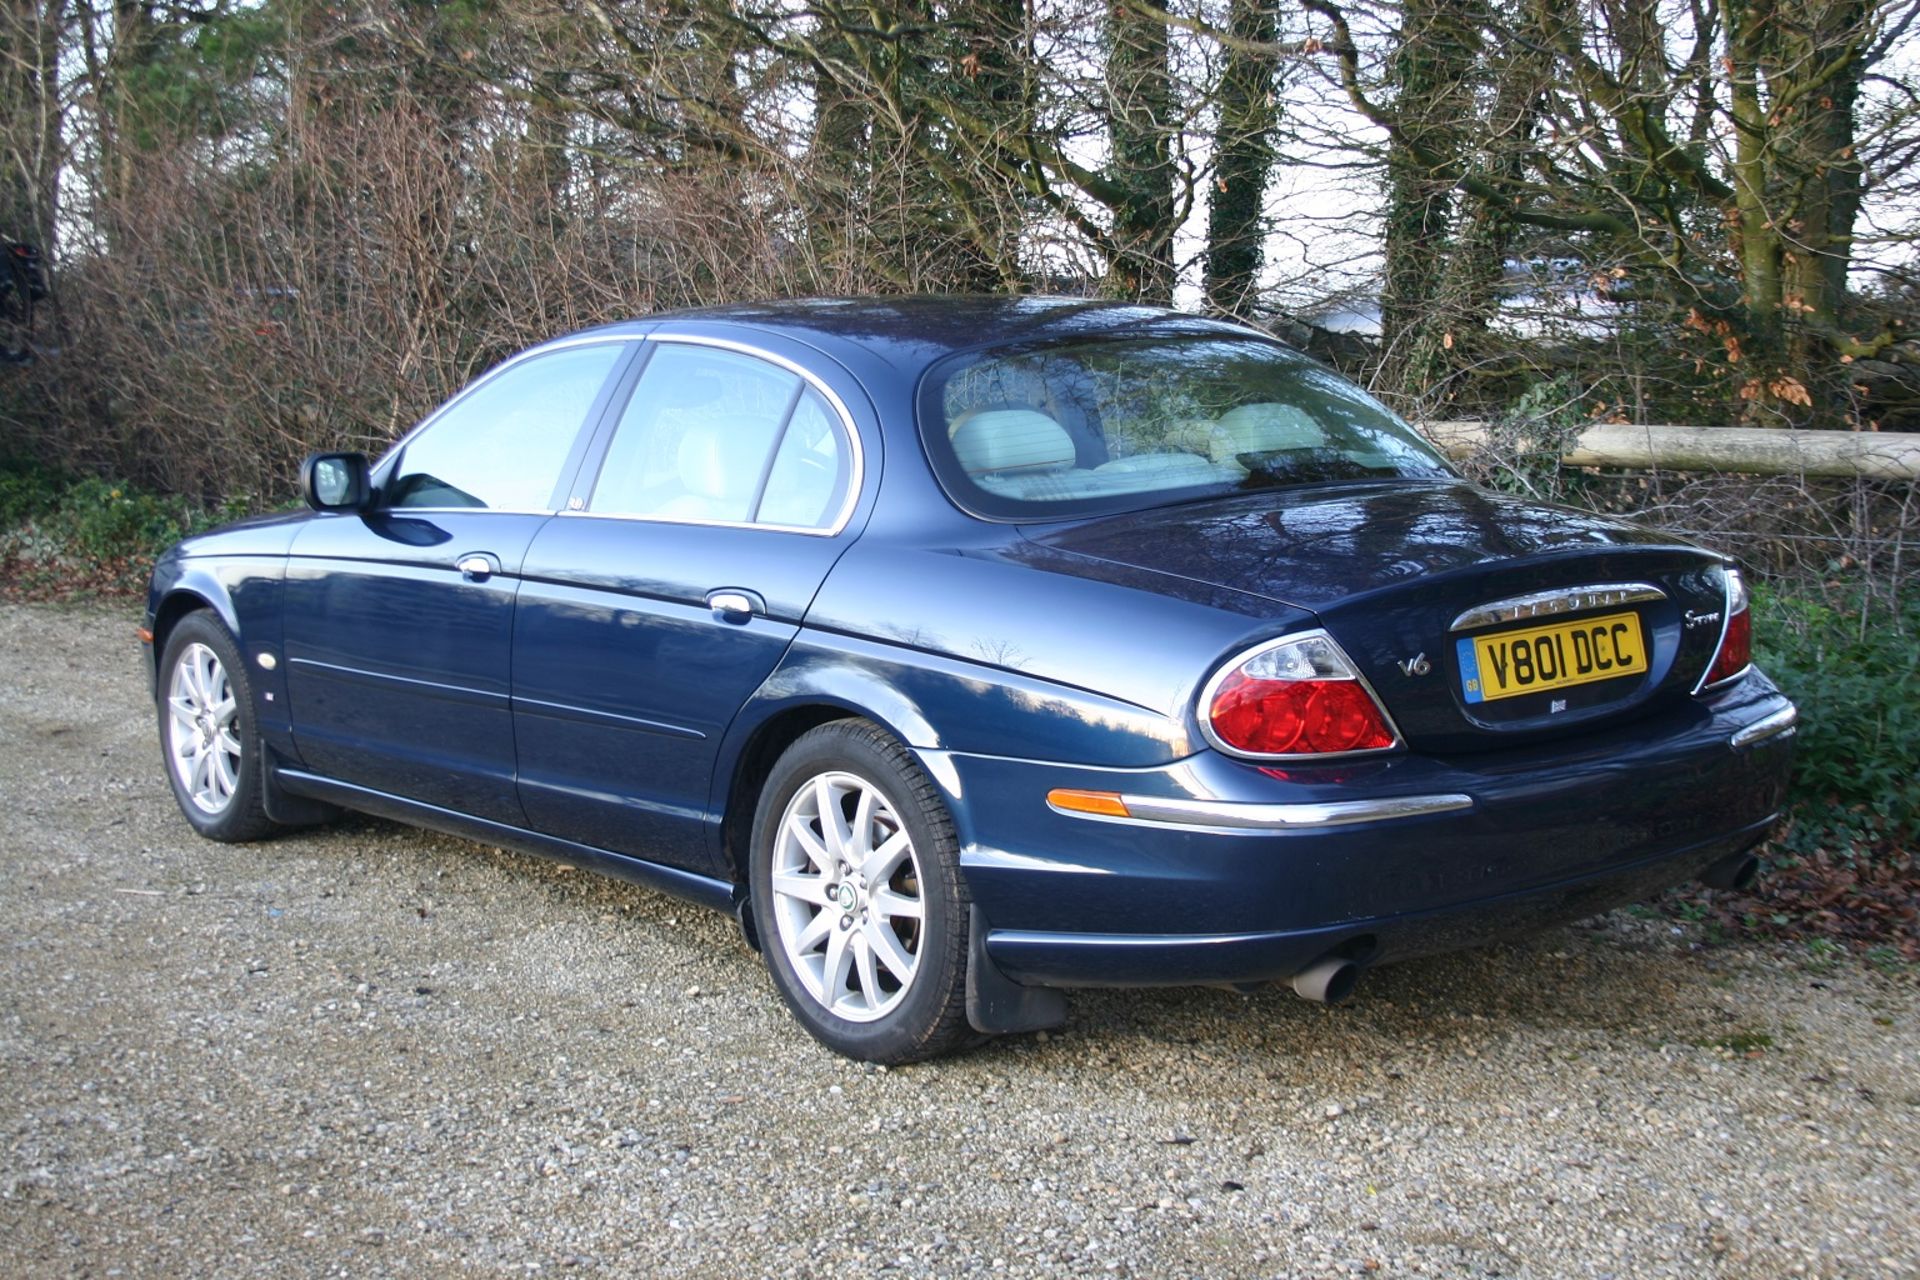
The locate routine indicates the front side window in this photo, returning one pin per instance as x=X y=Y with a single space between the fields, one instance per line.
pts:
x=719 y=437
x=1084 y=427
x=502 y=445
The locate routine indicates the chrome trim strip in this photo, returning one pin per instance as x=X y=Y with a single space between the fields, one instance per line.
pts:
x=446 y=511
x=808 y=530
x=1212 y=686
x=1766 y=727
x=1723 y=682
x=856 y=474
x=1701 y=686
x=588 y=715
x=411 y=684
x=1227 y=817
x=1548 y=604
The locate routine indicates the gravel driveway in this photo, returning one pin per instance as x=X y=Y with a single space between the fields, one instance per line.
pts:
x=372 y=1051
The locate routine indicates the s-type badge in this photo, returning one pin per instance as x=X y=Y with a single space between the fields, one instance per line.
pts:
x=1417 y=665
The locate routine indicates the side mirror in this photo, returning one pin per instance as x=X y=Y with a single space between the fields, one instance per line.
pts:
x=335 y=481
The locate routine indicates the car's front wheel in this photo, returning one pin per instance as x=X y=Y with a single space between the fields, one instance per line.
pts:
x=207 y=731
x=857 y=896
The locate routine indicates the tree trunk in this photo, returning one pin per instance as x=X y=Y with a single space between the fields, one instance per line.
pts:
x=1139 y=115
x=545 y=167
x=1243 y=155
x=1431 y=72
x=838 y=160
x=1756 y=235
x=1796 y=71
x=30 y=119
x=1825 y=174
x=1484 y=232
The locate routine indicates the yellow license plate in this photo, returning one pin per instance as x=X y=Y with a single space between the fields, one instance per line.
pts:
x=1507 y=664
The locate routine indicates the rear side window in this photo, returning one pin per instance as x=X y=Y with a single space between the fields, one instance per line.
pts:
x=1079 y=428
x=719 y=437
x=501 y=445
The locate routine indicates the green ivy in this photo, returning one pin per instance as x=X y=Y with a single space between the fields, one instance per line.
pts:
x=60 y=535
x=1852 y=666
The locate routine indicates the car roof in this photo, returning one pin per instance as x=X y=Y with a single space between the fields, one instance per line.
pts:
x=915 y=330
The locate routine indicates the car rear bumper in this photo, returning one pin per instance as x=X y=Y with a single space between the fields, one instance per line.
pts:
x=1047 y=959
x=1225 y=872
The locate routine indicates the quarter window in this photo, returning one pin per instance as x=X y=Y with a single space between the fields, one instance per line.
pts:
x=502 y=445
x=807 y=483
x=716 y=436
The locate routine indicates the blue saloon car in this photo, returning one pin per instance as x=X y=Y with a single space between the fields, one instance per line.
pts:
x=969 y=650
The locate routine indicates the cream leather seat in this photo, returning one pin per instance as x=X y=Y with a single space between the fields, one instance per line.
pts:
x=1019 y=453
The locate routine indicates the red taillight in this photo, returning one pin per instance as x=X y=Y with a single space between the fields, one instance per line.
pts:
x=1736 y=649
x=1298 y=697
x=1736 y=642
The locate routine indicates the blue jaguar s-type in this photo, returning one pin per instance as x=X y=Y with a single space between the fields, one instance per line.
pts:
x=972 y=649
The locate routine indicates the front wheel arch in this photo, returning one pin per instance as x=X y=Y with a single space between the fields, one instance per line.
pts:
x=179 y=604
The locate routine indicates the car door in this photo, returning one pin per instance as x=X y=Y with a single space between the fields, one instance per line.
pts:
x=648 y=617
x=399 y=618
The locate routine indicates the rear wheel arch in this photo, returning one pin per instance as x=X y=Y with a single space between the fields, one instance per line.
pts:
x=762 y=749
x=746 y=772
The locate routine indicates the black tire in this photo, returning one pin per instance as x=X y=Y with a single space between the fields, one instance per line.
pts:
x=229 y=814
x=926 y=1015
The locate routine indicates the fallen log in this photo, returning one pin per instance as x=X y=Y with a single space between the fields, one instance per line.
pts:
x=1873 y=455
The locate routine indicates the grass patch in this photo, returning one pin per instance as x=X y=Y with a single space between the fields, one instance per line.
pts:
x=1741 y=1043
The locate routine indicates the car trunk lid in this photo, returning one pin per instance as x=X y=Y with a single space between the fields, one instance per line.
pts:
x=1475 y=616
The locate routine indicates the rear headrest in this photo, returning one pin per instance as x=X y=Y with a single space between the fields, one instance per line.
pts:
x=1262 y=428
x=991 y=440
x=704 y=462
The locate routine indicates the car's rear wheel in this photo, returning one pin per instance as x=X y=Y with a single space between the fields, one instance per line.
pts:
x=857 y=896
x=207 y=731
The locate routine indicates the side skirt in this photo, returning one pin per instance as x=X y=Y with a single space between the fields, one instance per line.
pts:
x=705 y=890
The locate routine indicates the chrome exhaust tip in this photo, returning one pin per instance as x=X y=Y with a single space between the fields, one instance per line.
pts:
x=1736 y=871
x=1328 y=982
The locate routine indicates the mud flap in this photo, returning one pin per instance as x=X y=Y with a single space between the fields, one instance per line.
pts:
x=282 y=805
x=743 y=916
x=996 y=1004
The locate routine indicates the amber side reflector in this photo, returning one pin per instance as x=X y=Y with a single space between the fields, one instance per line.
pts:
x=146 y=636
x=1105 y=803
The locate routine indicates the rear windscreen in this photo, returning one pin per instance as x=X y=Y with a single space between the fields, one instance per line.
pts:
x=1088 y=427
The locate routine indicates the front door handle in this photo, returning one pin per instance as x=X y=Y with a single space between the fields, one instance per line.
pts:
x=732 y=604
x=477 y=566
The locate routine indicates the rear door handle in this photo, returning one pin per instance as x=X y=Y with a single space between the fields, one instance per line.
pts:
x=477 y=566
x=735 y=605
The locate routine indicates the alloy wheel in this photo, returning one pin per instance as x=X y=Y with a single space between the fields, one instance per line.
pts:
x=847 y=896
x=203 y=744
